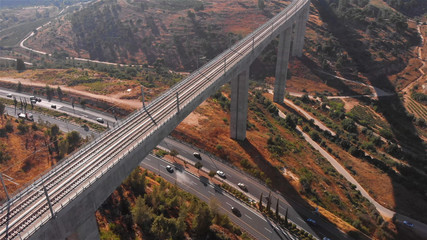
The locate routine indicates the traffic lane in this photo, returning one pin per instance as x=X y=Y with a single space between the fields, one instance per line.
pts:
x=63 y=125
x=205 y=192
x=322 y=227
x=62 y=106
x=233 y=176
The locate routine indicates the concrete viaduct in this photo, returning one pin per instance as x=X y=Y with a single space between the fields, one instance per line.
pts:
x=62 y=203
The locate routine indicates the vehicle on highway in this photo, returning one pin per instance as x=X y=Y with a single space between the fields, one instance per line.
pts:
x=28 y=116
x=169 y=168
x=100 y=120
x=220 y=173
x=326 y=238
x=409 y=224
x=33 y=101
x=39 y=99
x=236 y=211
x=9 y=95
x=197 y=155
x=242 y=186
x=311 y=221
x=53 y=106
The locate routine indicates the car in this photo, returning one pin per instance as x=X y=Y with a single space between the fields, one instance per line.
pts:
x=311 y=221
x=326 y=238
x=242 y=186
x=100 y=120
x=409 y=224
x=30 y=117
x=169 y=168
x=220 y=173
x=197 y=155
x=53 y=106
x=22 y=115
x=39 y=99
x=33 y=101
x=236 y=211
x=9 y=95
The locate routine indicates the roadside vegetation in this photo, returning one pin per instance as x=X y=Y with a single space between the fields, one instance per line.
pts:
x=147 y=206
x=28 y=149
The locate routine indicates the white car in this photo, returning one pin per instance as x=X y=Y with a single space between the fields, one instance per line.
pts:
x=220 y=173
x=9 y=95
x=242 y=186
x=100 y=120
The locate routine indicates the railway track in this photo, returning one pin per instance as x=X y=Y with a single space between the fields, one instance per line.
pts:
x=76 y=172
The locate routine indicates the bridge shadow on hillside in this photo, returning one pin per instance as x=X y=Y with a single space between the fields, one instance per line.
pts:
x=281 y=184
x=412 y=148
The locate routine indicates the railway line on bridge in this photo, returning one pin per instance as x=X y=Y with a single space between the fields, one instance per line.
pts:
x=23 y=214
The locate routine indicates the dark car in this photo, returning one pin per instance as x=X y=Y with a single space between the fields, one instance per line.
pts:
x=169 y=168
x=236 y=211
x=197 y=155
x=409 y=224
x=311 y=221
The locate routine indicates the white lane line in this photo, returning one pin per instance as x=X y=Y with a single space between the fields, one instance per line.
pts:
x=193 y=182
x=211 y=192
x=228 y=204
x=248 y=217
x=268 y=230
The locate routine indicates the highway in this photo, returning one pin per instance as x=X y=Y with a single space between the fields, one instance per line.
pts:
x=250 y=220
x=28 y=210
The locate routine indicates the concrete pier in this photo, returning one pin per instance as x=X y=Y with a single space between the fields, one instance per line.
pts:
x=282 y=65
x=239 y=105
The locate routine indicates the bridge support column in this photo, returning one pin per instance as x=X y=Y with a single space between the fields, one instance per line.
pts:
x=86 y=231
x=299 y=32
x=239 y=105
x=282 y=65
x=302 y=27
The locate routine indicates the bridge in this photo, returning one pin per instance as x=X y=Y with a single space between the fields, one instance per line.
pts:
x=62 y=203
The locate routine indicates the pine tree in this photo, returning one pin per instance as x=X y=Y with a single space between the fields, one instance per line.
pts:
x=277 y=209
x=260 y=203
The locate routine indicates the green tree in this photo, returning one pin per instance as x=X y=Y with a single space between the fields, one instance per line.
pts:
x=63 y=148
x=60 y=93
x=73 y=139
x=277 y=209
x=18 y=88
x=260 y=203
x=49 y=93
x=202 y=220
x=160 y=227
x=198 y=165
x=23 y=128
x=173 y=153
x=20 y=65
x=142 y=215
x=349 y=125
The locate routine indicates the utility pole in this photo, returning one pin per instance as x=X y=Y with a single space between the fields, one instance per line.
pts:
x=177 y=102
x=143 y=99
x=48 y=201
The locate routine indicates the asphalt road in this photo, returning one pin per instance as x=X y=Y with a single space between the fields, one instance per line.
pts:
x=253 y=222
x=255 y=188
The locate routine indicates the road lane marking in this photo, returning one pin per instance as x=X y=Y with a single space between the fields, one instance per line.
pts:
x=228 y=204
x=211 y=192
x=248 y=217
x=268 y=230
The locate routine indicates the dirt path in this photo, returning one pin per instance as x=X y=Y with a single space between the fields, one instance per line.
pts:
x=421 y=57
x=113 y=98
